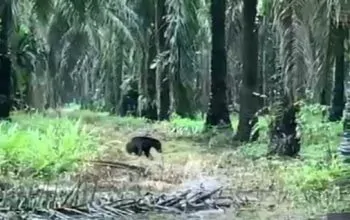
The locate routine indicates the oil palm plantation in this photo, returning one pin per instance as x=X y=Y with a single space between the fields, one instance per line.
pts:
x=305 y=60
x=73 y=10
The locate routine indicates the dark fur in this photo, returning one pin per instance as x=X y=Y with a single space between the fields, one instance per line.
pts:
x=141 y=144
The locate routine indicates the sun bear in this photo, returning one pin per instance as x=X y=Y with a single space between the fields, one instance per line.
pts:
x=141 y=144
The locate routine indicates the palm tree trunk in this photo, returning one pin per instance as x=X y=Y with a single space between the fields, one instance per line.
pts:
x=261 y=60
x=337 y=105
x=270 y=69
x=182 y=104
x=162 y=71
x=218 y=114
x=249 y=102
x=5 y=63
x=326 y=77
x=283 y=129
x=149 y=107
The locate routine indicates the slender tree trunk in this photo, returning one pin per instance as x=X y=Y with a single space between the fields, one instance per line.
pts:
x=337 y=105
x=5 y=61
x=112 y=86
x=128 y=99
x=117 y=82
x=121 y=95
x=162 y=70
x=249 y=101
x=204 y=80
x=149 y=105
x=218 y=114
x=182 y=103
x=261 y=36
x=67 y=86
x=270 y=69
x=326 y=71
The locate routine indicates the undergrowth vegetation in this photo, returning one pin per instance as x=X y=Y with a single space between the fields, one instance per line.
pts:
x=47 y=145
x=39 y=146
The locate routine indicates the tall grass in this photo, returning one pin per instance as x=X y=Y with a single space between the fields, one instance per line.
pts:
x=40 y=146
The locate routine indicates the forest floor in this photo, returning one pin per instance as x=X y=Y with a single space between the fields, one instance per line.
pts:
x=278 y=188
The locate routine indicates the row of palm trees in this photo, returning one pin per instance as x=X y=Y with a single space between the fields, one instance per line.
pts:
x=218 y=113
x=152 y=56
x=75 y=12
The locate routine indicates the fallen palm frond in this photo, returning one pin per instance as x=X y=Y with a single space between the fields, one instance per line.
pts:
x=38 y=203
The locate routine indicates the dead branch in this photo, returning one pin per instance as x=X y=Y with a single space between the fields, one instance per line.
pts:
x=184 y=202
x=115 y=164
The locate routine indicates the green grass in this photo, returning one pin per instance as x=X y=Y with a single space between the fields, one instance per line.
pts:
x=43 y=147
x=46 y=146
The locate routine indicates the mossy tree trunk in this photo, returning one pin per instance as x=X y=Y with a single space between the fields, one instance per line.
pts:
x=5 y=61
x=337 y=104
x=249 y=101
x=218 y=114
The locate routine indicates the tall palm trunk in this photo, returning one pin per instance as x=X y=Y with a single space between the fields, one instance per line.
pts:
x=337 y=105
x=5 y=62
x=326 y=77
x=270 y=52
x=182 y=102
x=283 y=129
x=149 y=109
x=249 y=102
x=218 y=113
x=162 y=70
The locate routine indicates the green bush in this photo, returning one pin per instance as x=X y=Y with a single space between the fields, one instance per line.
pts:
x=43 y=146
x=312 y=175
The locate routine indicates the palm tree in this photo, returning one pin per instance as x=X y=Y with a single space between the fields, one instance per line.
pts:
x=283 y=128
x=186 y=31
x=249 y=101
x=218 y=114
x=147 y=80
x=116 y=49
x=306 y=54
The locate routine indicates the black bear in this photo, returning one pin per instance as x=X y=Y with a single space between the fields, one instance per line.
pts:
x=141 y=144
